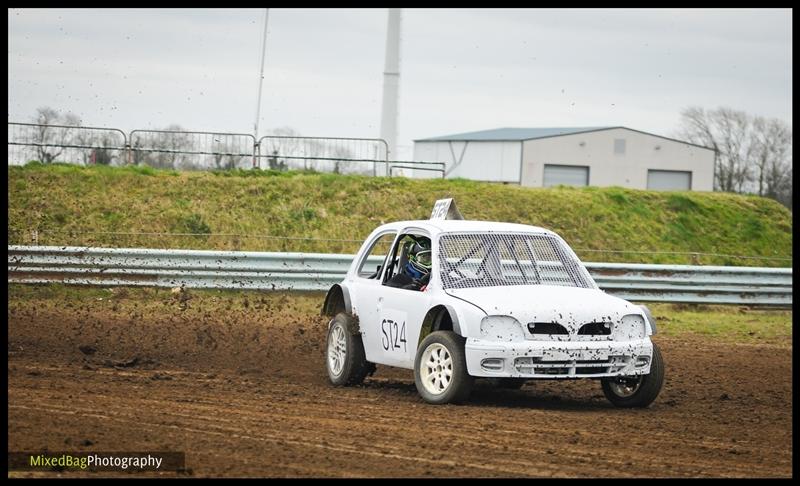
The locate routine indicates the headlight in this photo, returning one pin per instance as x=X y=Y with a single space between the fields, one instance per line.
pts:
x=632 y=327
x=501 y=328
x=650 y=318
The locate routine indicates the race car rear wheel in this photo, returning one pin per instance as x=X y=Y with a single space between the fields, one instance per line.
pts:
x=636 y=391
x=440 y=369
x=345 y=358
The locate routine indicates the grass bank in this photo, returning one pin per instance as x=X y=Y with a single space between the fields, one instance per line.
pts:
x=266 y=211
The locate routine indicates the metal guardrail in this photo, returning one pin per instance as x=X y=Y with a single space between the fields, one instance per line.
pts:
x=757 y=286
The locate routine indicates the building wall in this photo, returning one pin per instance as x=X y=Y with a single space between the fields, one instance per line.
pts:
x=481 y=161
x=607 y=168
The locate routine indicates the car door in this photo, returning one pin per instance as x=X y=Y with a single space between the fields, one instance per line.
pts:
x=365 y=287
x=399 y=315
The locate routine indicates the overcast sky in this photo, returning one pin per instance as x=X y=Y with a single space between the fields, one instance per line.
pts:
x=461 y=70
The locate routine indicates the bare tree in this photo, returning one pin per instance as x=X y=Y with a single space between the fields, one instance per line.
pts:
x=779 y=183
x=727 y=131
x=51 y=140
x=274 y=163
x=752 y=154
x=772 y=158
x=162 y=150
x=339 y=153
x=101 y=147
x=101 y=153
x=286 y=144
x=227 y=154
x=314 y=152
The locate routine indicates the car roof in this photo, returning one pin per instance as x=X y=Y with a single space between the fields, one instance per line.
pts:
x=458 y=225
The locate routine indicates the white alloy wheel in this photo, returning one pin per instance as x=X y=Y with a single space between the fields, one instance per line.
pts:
x=436 y=369
x=440 y=369
x=337 y=349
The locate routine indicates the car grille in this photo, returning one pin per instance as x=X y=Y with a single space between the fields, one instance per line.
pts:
x=554 y=331
x=530 y=366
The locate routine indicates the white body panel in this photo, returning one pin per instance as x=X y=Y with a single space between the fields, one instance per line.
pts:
x=404 y=311
x=475 y=312
x=570 y=307
x=364 y=296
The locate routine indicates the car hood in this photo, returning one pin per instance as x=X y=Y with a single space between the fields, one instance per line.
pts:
x=569 y=306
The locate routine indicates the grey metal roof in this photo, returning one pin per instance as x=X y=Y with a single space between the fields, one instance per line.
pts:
x=514 y=133
x=519 y=134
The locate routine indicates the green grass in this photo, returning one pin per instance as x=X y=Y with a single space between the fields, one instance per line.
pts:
x=727 y=323
x=73 y=205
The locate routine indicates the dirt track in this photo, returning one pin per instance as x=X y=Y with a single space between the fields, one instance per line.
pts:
x=243 y=392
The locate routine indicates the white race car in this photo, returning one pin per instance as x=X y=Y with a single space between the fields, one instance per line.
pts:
x=503 y=301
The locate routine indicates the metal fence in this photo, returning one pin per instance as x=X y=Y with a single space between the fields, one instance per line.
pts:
x=183 y=150
x=338 y=155
x=192 y=150
x=755 y=286
x=56 y=143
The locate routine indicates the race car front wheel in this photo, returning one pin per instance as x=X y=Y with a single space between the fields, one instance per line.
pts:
x=440 y=369
x=346 y=361
x=636 y=391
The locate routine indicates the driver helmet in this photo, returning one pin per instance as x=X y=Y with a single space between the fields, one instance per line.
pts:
x=419 y=257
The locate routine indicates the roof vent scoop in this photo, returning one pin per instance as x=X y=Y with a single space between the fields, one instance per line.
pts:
x=445 y=209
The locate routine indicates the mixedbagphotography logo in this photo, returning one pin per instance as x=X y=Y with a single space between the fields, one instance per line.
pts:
x=96 y=461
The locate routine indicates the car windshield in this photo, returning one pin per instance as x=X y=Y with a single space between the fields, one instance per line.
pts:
x=468 y=260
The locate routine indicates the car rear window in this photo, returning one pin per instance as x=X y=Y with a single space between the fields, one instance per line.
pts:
x=468 y=260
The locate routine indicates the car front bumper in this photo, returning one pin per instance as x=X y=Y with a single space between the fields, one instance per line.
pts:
x=558 y=359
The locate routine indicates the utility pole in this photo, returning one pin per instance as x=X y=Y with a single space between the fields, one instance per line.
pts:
x=391 y=84
x=260 y=83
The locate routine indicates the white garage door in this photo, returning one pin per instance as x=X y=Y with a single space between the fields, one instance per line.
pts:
x=569 y=175
x=669 y=180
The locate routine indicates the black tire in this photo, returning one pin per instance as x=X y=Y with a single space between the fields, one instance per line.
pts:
x=506 y=383
x=459 y=386
x=353 y=366
x=647 y=391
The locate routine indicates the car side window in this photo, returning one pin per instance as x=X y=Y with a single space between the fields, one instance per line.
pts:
x=398 y=260
x=370 y=267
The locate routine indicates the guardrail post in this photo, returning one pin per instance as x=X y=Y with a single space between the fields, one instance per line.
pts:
x=35 y=237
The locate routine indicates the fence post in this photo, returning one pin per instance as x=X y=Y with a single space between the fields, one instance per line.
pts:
x=256 y=153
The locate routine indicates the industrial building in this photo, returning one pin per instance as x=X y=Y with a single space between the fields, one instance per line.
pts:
x=576 y=156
